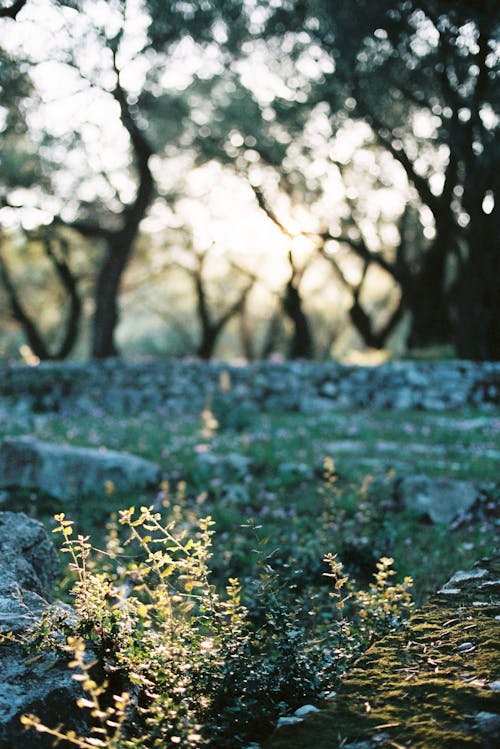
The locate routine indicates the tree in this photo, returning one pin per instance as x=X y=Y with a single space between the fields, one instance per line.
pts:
x=56 y=250
x=107 y=217
x=114 y=226
x=422 y=74
x=13 y=9
x=211 y=320
x=301 y=343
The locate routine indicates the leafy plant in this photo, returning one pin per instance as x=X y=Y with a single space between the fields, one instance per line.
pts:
x=164 y=658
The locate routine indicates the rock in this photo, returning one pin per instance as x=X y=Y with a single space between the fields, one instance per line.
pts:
x=40 y=683
x=66 y=472
x=305 y=710
x=488 y=725
x=455 y=584
x=422 y=688
x=440 y=499
x=174 y=386
x=288 y=720
x=27 y=556
x=295 y=471
x=44 y=687
x=230 y=467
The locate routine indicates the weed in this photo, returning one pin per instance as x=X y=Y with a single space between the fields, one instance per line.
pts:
x=164 y=658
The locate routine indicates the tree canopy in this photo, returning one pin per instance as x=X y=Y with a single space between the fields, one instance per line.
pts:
x=327 y=110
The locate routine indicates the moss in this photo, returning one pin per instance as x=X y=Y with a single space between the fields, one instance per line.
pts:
x=421 y=687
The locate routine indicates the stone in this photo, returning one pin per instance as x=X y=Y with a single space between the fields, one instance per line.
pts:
x=421 y=689
x=65 y=472
x=488 y=725
x=440 y=499
x=176 y=386
x=28 y=565
x=40 y=683
x=297 y=471
x=305 y=710
x=230 y=467
x=288 y=720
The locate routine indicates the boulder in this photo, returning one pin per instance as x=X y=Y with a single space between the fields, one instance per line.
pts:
x=430 y=684
x=37 y=683
x=28 y=558
x=440 y=499
x=67 y=472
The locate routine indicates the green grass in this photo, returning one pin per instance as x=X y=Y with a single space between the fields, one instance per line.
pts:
x=273 y=473
x=285 y=491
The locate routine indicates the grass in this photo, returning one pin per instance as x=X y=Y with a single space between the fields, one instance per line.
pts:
x=290 y=496
x=273 y=472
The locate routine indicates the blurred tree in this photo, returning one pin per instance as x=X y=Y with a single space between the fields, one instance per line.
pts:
x=421 y=73
x=23 y=168
x=95 y=205
x=301 y=343
x=424 y=75
x=56 y=251
x=213 y=316
x=12 y=8
x=115 y=228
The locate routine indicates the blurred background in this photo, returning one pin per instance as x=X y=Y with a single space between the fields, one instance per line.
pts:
x=246 y=179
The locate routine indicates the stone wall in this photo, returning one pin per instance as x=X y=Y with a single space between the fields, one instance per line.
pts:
x=170 y=386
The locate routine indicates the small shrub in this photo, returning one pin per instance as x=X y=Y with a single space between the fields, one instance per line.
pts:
x=166 y=659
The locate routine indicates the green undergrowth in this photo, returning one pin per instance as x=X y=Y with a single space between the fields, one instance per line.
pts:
x=165 y=658
x=426 y=686
x=296 y=585
x=272 y=469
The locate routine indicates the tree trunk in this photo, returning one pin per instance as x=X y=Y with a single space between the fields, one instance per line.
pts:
x=206 y=347
x=426 y=294
x=477 y=334
x=301 y=344
x=119 y=243
x=273 y=335
x=106 y=295
x=246 y=334
x=30 y=328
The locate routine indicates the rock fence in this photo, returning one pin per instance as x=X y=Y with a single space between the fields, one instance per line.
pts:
x=170 y=386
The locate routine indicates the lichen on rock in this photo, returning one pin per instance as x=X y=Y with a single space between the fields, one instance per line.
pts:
x=420 y=686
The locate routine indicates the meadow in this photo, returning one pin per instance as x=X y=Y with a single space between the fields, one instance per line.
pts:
x=285 y=540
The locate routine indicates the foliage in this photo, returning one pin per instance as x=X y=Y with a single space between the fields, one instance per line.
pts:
x=164 y=658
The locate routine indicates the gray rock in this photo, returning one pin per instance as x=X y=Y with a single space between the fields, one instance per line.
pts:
x=175 y=386
x=44 y=687
x=66 y=472
x=404 y=399
x=440 y=499
x=488 y=725
x=288 y=720
x=31 y=683
x=297 y=471
x=230 y=467
x=306 y=710
x=28 y=567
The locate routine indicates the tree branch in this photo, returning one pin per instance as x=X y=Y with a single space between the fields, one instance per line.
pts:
x=142 y=152
x=69 y=282
x=35 y=340
x=263 y=205
x=13 y=10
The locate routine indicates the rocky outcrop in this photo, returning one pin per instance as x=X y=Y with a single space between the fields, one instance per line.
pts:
x=28 y=569
x=439 y=499
x=172 y=386
x=30 y=683
x=433 y=684
x=66 y=472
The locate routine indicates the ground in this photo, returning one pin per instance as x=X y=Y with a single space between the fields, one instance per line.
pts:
x=287 y=489
x=272 y=470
